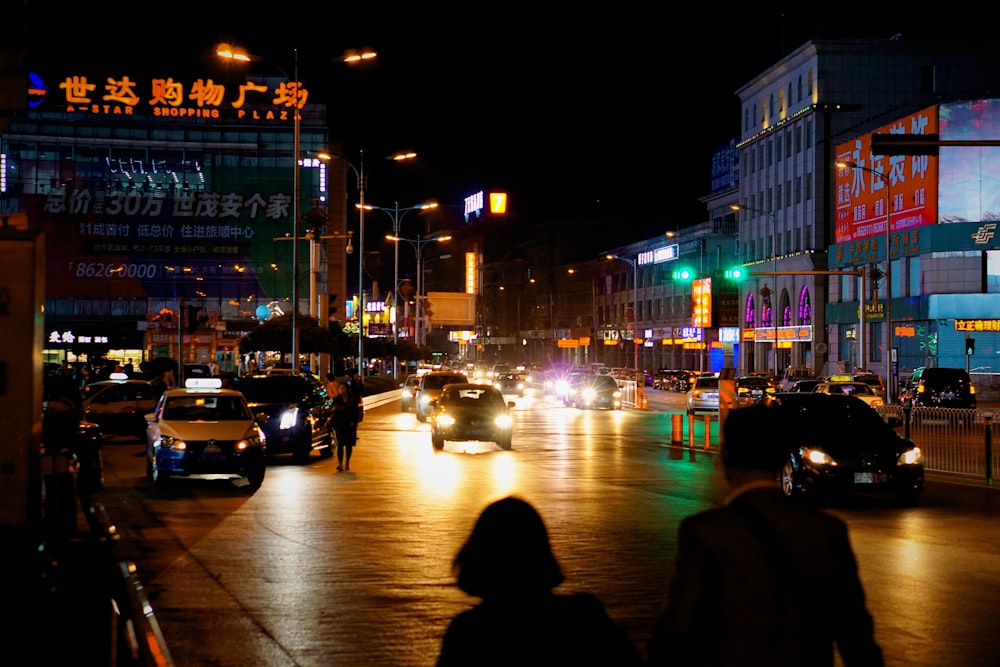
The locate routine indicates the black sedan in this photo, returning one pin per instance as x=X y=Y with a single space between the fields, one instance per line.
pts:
x=119 y=405
x=294 y=411
x=598 y=391
x=752 y=388
x=471 y=412
x=841 y=446
x=510 y=383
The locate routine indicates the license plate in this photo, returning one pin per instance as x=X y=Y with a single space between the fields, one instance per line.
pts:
x=869 y=478
x=212 y=453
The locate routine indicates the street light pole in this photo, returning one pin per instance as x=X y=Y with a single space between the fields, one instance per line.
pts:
x=635 y=308
x=418 y=245
x=775 y=294
x=888 y=268
x=397 y=214
x=296 y=188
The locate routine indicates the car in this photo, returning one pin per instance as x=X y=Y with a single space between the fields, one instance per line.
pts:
x=862 y=390
x=753 y=388
x=119 y=405
x=794 y=374
x=805 y=385
x=470 y=411
x=874 y=380
x=598 y=391
x=294 y=410
x=843 y=446
x=509 y=383
x=941 y=387
x=204 y=430
x=571 y=383
x=407 y=398
x=703 y=396
x=430 y=388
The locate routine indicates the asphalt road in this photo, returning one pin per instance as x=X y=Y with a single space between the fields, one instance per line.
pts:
x=325 y=568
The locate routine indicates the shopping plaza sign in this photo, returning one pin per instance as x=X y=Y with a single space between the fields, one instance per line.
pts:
x=257 y=98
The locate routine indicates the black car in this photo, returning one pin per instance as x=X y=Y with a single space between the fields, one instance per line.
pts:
x=840 y=445
x=119 y=406
x=471 y=412
x=598 y=391
x=939 y=387
x=294 y=410
x=509 y=383
x=752 y=388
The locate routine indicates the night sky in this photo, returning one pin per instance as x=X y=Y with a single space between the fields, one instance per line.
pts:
x=574 y=110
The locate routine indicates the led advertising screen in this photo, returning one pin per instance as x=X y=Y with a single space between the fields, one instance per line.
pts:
x=902 y=188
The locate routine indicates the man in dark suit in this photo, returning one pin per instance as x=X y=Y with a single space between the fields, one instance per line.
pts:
x=763 y=580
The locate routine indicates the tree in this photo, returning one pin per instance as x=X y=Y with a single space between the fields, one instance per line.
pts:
x=275 y=335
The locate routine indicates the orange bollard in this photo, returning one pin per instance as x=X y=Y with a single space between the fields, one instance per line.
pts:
x=644 y=403
x=677 y=429
x=708 y=431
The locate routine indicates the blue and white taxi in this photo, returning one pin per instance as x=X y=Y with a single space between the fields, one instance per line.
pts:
x=206 y=431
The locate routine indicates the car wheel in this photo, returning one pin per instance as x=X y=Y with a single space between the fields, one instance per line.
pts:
x=437 y=442
x=788 y=478
x=255 y=474
x=160 y=478
x=302 y=451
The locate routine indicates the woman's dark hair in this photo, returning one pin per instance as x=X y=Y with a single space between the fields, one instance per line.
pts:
x=507 y=553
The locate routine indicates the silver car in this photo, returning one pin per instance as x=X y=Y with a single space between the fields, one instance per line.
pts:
x=703 y=396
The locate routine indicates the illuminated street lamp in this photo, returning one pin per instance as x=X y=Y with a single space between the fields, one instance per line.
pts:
x=296 y=98
x=362 y=181
x=397 y=214
x=635 y=312
x=764 y=291
x=418 y=245
x=888 y=268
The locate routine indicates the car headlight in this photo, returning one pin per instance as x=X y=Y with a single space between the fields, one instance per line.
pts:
x=503 y=421
x=589 y=394
x=254 y=437
x=817 y=457
x=911 y=457
x=170 y=442
x=289 y=418
x=407 y=393
x=616 y=393
x=562 y=387
x=445 y=420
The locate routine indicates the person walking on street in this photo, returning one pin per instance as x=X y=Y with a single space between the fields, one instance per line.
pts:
x=507 y=562
x=345 y=426
x=763 y=580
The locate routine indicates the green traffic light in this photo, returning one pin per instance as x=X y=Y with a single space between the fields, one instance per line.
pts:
x=735 y=273
x=682 y=274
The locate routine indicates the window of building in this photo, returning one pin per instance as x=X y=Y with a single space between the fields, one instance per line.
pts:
x=788 y=193
x=770 y=152
x=800 y=88
x=777 y=147
x=807 y=190
x=746 y=119
x=777 y=193
x=788 y=144
x=798 y=189
x=992 y=271
x=782 y=108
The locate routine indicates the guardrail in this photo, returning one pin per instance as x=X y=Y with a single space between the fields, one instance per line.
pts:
x=954 y=441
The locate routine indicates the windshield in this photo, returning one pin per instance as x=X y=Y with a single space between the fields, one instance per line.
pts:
x=438 y=381
x=273 y=389
x=206 y=408
x=472 y=397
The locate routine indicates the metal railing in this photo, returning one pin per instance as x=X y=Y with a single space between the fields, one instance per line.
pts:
x=953 y=441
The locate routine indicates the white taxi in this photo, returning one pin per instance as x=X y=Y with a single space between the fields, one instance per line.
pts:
x=862 y=390
x=206 y=431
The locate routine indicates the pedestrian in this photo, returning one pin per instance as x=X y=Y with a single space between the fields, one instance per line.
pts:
x=507 y=562
x=162 y=382
x=345 y=426
x=763 y=580
x=332 y=386
x=213 y=368
x=356 y=388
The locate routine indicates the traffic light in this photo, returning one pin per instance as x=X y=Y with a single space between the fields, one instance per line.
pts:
x=735 y=274
x=682 y=274
x=970 y=346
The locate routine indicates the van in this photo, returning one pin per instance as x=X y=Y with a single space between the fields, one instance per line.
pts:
x=934 y=387
x=793 y=374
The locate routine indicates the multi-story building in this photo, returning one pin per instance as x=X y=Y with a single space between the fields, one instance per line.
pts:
x=167 y=206
x=793 y=118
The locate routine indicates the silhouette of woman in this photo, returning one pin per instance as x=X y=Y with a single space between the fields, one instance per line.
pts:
x=507 y=561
